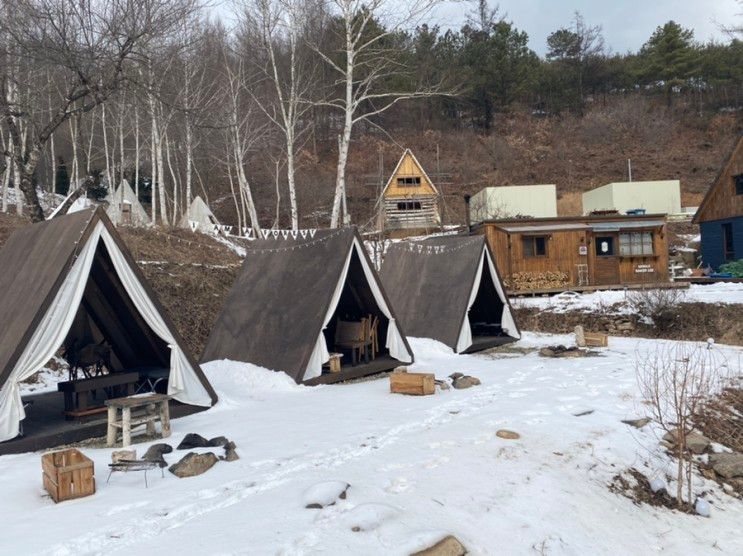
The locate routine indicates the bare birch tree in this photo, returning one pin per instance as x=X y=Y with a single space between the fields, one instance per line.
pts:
x=364 y=62
x=88 y=48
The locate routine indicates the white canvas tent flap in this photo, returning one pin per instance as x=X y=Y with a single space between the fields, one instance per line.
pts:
x=394 y=341
x=183 y=384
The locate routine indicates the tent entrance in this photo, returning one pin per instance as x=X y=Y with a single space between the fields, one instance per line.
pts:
x=357 y=329
x=485 y=315
x=110 y=339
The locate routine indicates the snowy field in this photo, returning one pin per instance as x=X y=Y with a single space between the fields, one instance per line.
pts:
x=720 y=292
x=419 y=468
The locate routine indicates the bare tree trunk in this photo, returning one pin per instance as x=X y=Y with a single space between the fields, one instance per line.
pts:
x=175 y=181
x=8 y=171
x=136 y=151
x=161 y=178
x=344 y=140
x=153 y=164
x=109 y=178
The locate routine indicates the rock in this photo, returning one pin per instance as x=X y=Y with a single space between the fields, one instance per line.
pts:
x=727 y=465
x=637 y=423
x=193 y=440
x=324 y=494
x=193 y=464
x=118 y=455
x=218 y=442
x=455 y=376
x=448 y=546
x=508 y=435
x=229 y=452
x=702 y=507
x=465 y=382
x=695 y=442
x=155 y=453
x=658 y=485
x=443 y=384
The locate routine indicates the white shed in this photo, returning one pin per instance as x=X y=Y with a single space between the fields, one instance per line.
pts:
x=492 y=203
x=654 y=197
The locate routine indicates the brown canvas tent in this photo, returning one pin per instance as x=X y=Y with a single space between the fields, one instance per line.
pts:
x=292 y=293
x=71 y=274
x=448 y=288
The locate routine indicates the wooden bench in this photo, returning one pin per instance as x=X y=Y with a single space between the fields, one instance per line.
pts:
x=77 y=392
x=144 y=409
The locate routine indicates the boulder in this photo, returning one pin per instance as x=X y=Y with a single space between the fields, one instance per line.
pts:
x=506 y=434
x=193 y=464
x=463 y=382
x=696 y=443
x=455 y=376
x=193 y=440
x=637 y=423
x=324 y=494
x=218 y=442
x=155 y=453
x=448 y=546
x=727 y=465
x=229 y=452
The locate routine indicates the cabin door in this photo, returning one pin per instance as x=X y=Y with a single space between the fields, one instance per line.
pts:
x=606 y=259
x=126 y=213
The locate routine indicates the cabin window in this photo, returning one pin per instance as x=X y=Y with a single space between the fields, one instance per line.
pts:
x=727 y=242
x=738 y=184
x=605 y=246
x=409 y=205
x=410 y=181
x=535 y=246
x=636 y=244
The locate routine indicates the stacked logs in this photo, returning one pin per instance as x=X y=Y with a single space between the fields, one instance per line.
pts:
x=524 y=281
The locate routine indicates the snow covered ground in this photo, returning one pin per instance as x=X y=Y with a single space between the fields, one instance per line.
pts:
x=418 y=468
x=720 y=292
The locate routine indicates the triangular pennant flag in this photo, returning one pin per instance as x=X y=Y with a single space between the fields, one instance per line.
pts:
x=245 y=231
x=193 y=224
x=250 y=233
x=312 y=232
x=265 y=233
x=303 y=233
x=294 y=234
x=275 y=233
x=284 y=234
x=215 y=228
x=227 y=230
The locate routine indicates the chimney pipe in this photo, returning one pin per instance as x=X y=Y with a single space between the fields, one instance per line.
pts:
x=468 y=221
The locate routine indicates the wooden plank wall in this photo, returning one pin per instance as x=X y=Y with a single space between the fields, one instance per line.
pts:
x=722 y=201
x=408 y=168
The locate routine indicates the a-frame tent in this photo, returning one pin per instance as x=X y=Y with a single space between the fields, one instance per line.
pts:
x=284 y=308
x=124 y=207
x=449 y=289
x=73 y=269
x=200 y=218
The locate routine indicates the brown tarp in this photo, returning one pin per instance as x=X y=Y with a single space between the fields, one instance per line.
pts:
x=33 y=265
x=274 y=313
x=430 y=290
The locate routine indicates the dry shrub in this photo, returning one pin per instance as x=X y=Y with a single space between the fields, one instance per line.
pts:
x=660 y=306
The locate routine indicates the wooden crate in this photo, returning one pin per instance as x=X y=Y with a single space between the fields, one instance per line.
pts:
x=68 y=474
x=596 y=339
x=414 y=384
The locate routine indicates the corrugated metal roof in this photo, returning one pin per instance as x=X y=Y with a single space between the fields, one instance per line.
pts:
x=544 y=227
x=616 y=226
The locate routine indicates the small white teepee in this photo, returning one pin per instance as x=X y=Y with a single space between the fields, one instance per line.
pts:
x=124 y=209
x=200 y=218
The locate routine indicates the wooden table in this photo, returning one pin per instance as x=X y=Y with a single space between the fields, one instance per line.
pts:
x=137 y=410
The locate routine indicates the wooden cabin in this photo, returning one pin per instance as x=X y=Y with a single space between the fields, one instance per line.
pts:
x=720 y=216
x=581 y=251
x=410 y=199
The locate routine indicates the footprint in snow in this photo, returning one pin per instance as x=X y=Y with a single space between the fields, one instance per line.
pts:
x=397 y=485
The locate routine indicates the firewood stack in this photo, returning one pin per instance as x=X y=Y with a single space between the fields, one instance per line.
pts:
x=524 y=281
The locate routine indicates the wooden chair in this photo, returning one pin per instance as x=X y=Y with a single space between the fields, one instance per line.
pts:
x=351 y=335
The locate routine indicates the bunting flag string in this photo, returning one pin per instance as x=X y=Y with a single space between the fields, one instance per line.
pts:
x=421 y=247
x=306 y=239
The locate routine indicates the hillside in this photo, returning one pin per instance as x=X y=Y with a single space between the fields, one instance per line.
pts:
x=574 y=153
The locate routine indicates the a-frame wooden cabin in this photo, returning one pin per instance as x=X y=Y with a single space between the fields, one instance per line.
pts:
x=720 y=216
x=410 y=199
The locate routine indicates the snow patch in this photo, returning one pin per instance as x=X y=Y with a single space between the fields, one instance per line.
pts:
x=368 y=517
x=228 y=375
x=324 y=494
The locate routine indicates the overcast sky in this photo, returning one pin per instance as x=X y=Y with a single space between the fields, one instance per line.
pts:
x=627 y=24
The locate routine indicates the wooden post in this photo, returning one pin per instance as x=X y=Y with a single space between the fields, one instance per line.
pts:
x=151 y=409
x=165 y=418
x=111 y=435
x=126 y=426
